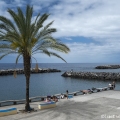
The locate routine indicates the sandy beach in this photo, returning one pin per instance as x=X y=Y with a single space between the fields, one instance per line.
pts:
x=96 y=106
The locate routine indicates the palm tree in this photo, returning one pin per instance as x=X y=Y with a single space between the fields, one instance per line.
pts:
x=25 y=37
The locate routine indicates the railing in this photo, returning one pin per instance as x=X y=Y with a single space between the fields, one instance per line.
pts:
x=42 y=98
x=32 y=99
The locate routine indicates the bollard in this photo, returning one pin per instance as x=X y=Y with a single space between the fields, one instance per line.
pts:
x=75 y=94
x=14 y=102
x=42 y=99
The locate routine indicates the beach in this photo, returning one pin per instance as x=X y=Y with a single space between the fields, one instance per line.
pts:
x=96 y=106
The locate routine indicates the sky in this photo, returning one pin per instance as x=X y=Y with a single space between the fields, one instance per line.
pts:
x=90 y=28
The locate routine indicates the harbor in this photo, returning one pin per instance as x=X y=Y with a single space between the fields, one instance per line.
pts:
x=57 y=66
x=50 y=83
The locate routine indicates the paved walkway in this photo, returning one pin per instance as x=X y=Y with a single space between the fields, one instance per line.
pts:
x=97 y=106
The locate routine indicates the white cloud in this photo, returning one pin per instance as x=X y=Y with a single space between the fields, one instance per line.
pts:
x=19 y=3
x=3 y=7
x=12 y=4
x=87 y=18
x=83 y=52
x=97 y=19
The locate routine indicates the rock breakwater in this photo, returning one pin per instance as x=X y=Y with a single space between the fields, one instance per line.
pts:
x=108 y=67
x=93 y=75
x=21 y=71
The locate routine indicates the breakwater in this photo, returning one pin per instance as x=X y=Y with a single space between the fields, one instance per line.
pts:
x=21 y=71
x=93 y=75
x=108 y=67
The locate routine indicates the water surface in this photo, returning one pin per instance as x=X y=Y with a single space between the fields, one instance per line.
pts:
x=49 y=83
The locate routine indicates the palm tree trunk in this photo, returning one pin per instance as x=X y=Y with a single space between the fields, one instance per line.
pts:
x=27 y=66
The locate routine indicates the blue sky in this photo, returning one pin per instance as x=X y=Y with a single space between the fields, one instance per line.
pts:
x=90 y=28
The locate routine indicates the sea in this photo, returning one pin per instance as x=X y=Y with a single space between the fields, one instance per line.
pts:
x=43 y=84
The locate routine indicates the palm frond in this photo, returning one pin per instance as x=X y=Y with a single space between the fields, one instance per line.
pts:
x=7 y=23
x=42 y=19
x=2 y=32
x=45 y=33
x=44 y=44
x=21 y=19
x=17 y=58
x=56 y=55
x=48 y=25
x=29 y=12
x=37 y=18
x=17 y=21
x=49 y=53
x=39 y=23
x=60 y=47
x=4 y=27
x=55 y=46
x=46 y=52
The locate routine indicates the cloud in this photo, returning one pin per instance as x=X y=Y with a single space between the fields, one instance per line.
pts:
x=83 y=52
x=95 y=19
x=12 y=4
x=90 y=53
x=88 y=19
x=77 y=17
x=3 y=8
